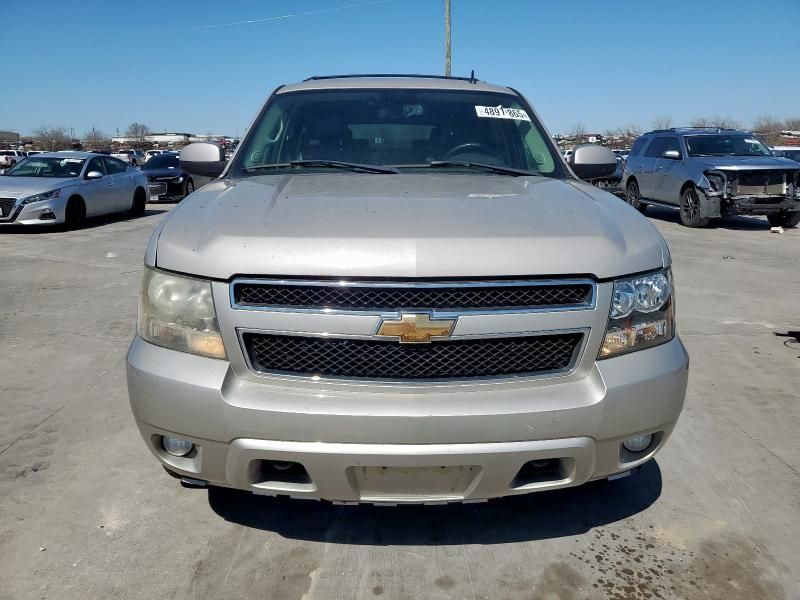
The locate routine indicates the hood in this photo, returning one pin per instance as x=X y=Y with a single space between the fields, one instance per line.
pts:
x=20 y=187
x=748 y=163
x=163 y=172
x=409 y=225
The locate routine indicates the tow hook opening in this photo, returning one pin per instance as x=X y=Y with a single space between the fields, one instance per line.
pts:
x=269 y=472
x=546 y=470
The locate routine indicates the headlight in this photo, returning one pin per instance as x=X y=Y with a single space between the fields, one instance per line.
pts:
x=642 y=314
x=716 y=179
x=39 y=197
x=178 y=313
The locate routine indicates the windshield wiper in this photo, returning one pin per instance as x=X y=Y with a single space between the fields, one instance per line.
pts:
x=327 y=164
x=479 y=166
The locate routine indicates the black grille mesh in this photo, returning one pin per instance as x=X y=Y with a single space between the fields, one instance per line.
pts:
x=7 y=204
x=353 y=358
x=393 y=298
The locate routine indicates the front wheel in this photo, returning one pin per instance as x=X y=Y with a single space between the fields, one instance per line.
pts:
x=690 y=209
x=139 y=203
x=634 y=198
x=786 y=220
x=189 y=188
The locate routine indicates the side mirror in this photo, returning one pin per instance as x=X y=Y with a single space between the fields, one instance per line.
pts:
x=204 y=159
x=591 y=161
x=94 y=175
x=671 y=154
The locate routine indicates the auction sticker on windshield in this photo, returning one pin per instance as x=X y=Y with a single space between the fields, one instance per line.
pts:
x=500 y=112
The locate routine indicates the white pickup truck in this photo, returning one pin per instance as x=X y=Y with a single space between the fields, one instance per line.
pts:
x=8 y=158
x=135 y=158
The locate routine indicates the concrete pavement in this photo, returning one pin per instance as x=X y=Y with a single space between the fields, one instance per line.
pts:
x=86 y=512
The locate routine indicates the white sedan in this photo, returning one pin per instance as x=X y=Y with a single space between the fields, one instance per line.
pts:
x=56 y=188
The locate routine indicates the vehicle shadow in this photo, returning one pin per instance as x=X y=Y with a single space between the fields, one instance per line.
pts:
x=91 y=223
x=738 y=222
x=529 y=517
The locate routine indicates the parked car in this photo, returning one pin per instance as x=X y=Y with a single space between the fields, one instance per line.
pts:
x=132 y=157
x=151 y=153
x=8 y=158
x=34 y=152
x=790 y=152
x=708 y=173
x=166 y=179
x=398 y=292
x=56 y=188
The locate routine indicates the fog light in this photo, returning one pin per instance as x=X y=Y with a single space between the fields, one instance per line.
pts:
x=176 y=447
x=638 y=443
x=47 y=215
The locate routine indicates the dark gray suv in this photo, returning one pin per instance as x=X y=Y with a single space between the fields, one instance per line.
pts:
x=709 y=173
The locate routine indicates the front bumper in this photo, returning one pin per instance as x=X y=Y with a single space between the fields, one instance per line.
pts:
x=45 y=212
x=367 y=443
x=166 y=190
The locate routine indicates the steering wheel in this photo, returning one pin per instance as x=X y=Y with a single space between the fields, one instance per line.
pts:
x=476 y=147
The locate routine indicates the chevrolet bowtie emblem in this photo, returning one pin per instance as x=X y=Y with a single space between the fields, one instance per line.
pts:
x=416 y=328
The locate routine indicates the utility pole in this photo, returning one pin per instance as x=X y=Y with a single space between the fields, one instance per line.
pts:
x=447 y=69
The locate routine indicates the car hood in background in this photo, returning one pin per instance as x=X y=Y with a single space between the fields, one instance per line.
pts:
x=20 y=187
x=426 y=225
x=163 y=172
x=747 y=163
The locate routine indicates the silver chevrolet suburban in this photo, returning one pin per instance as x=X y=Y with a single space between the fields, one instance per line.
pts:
x=398 y=292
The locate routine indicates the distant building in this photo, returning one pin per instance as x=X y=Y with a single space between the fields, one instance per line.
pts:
x=9 y=139
x=157 y=139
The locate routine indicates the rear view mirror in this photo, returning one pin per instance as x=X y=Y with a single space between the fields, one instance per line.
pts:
x=94 y=175
x=204 y=159
x=591 y=161
x=671 y=154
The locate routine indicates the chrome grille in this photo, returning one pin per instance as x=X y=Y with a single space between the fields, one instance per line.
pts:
x=393 y=296
x=372 y=359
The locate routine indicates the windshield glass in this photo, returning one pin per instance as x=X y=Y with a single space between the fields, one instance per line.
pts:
x=50 y=166
x=398 y=128
x=162 y=161
x=725 y=145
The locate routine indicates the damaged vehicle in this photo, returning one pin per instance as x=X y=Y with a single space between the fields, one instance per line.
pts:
x=709 y=173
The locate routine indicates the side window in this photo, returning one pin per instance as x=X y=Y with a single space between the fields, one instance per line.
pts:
x=657 y=147
x=96 y=164
x=673 y=143
x=638 y=145
x=115 y=166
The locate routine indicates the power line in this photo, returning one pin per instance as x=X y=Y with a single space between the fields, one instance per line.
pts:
x=248 y=21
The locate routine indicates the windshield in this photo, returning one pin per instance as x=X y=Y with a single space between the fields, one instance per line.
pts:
x=725 y=145
x=49 y=166
x=162 y=161
x=397 y=128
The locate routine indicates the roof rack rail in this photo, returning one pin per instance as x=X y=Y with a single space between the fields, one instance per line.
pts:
x=703 y=128
x=471 y=78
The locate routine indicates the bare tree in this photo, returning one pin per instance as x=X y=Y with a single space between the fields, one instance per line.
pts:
x=724 y=123
x=138 y=133
x=52 y=138
x=699 y=122
x=662 y=122
x=792 y=124
x=768 y=129
x=578 y=131
x=94 y=138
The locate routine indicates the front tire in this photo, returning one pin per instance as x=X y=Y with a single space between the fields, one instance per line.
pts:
x=786 y=220
x=690 y=209
x=75 y=214
x=633 y=197
x=139 y=203
x=188 y=189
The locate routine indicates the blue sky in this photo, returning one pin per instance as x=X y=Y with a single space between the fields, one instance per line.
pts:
x=105 y=64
